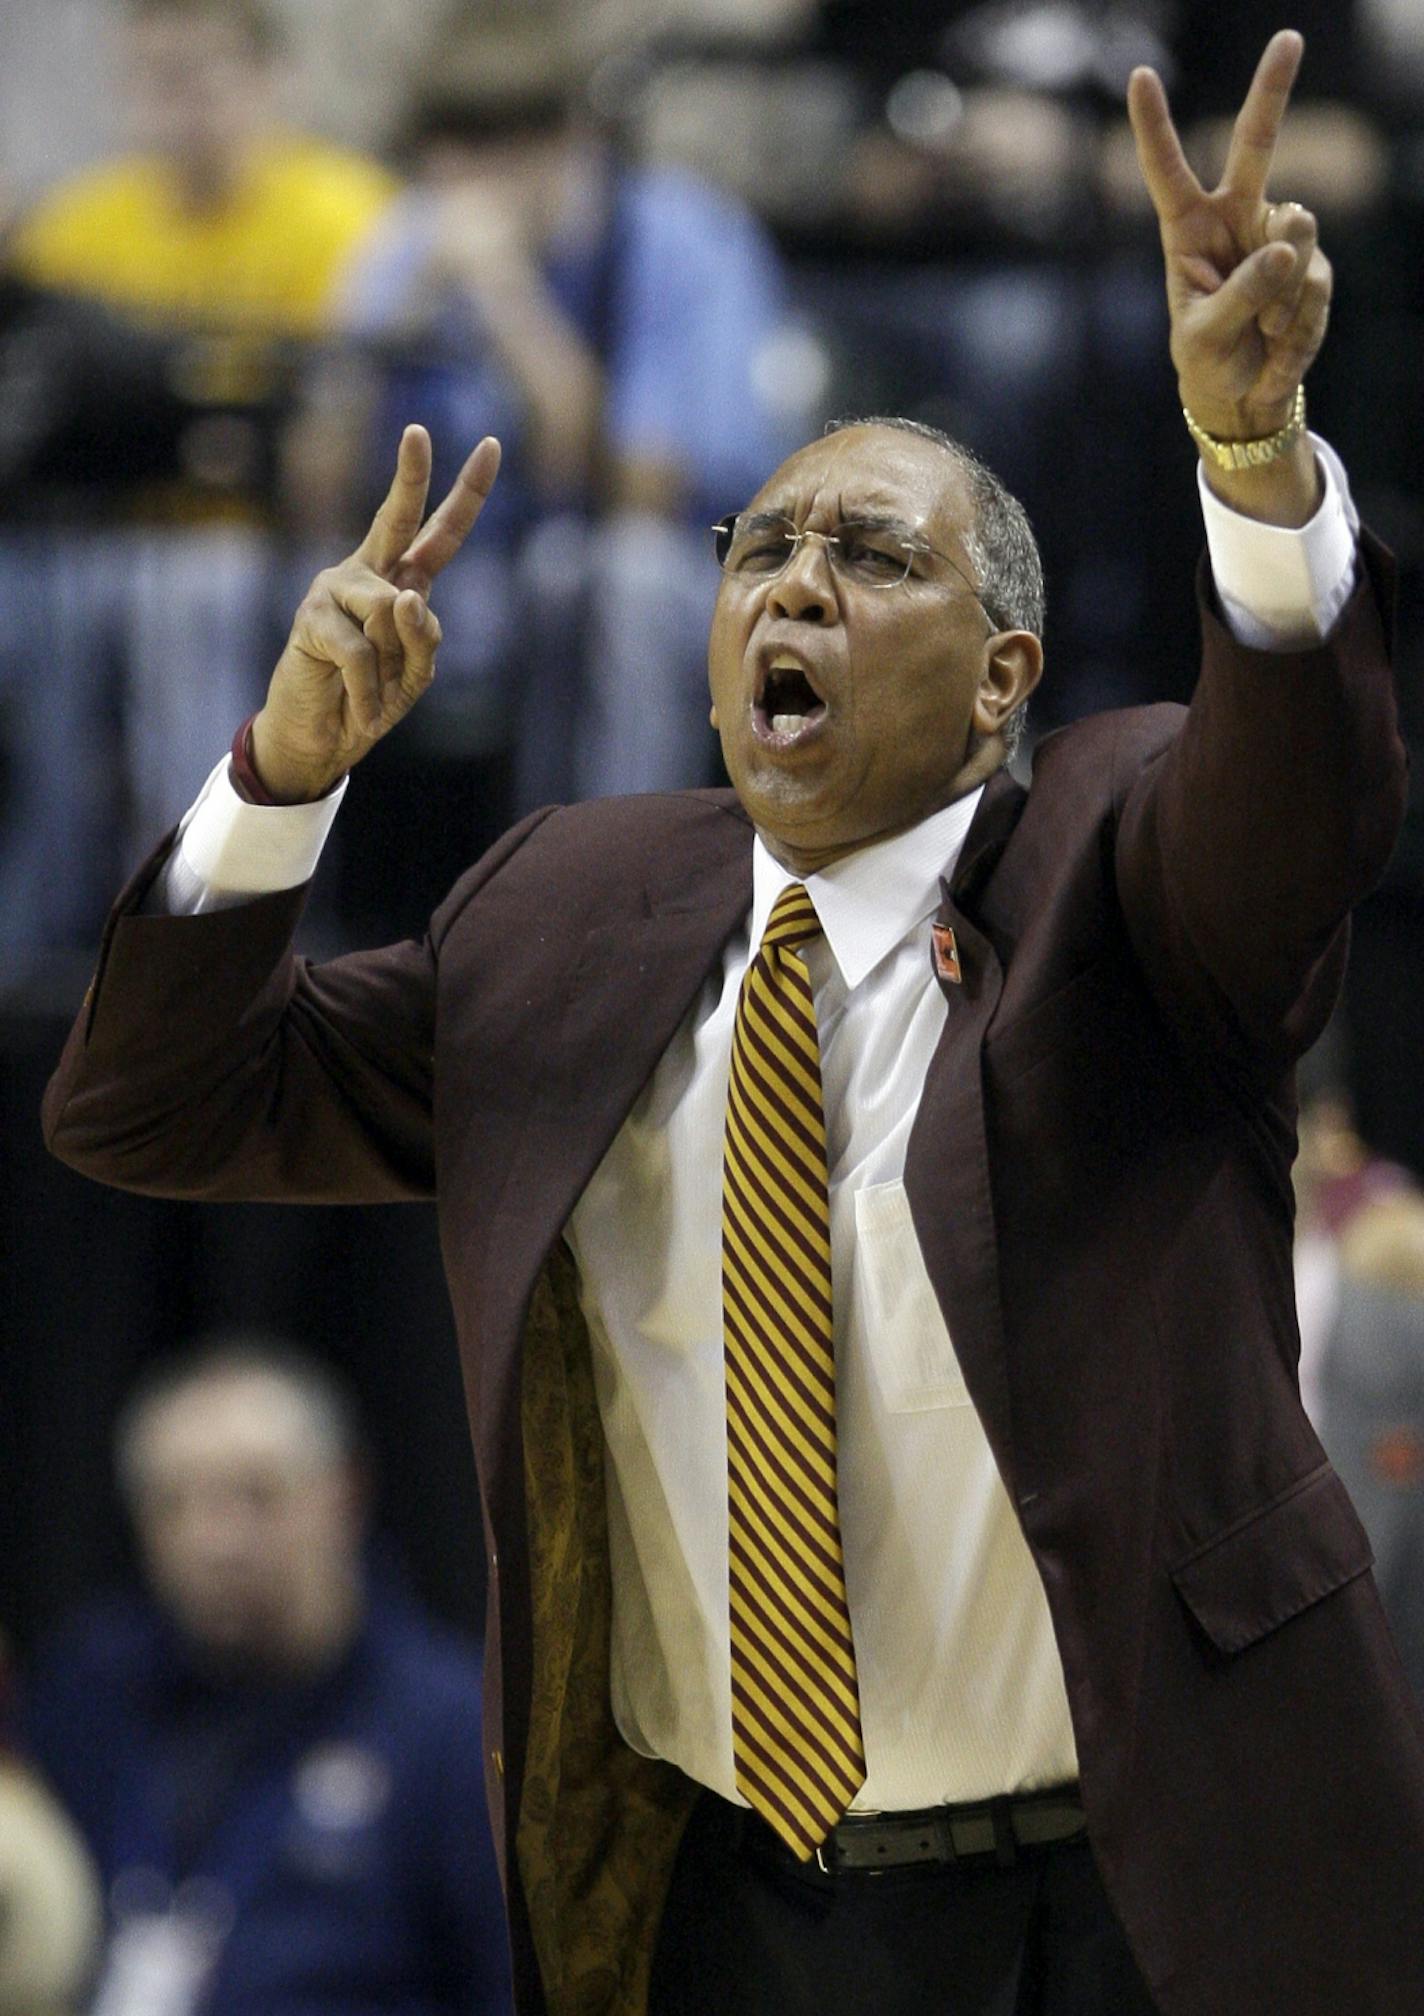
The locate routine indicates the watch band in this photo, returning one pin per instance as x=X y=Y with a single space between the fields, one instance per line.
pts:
x=1249 y=454
x=243 y=771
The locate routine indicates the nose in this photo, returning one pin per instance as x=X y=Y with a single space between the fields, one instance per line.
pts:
x=805 y=590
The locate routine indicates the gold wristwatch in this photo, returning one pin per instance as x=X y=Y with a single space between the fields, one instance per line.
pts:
x=1250 y=454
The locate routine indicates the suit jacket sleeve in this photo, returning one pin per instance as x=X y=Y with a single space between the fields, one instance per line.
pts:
x=209 y=1061
x=1242 y=846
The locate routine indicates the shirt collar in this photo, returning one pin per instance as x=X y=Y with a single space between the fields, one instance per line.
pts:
x=869 y=900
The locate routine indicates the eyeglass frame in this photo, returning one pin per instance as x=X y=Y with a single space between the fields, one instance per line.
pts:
x=912 y=543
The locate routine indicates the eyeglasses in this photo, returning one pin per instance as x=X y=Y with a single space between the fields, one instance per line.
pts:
x=759 y=545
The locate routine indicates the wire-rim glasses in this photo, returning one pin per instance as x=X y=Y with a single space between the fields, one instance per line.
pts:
x=868 y=552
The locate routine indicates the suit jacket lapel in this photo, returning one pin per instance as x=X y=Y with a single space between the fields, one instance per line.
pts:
x=618 y=988
x=947 y=1161
x=639 y=973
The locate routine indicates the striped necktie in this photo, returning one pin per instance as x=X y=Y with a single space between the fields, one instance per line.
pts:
x=796 y=1739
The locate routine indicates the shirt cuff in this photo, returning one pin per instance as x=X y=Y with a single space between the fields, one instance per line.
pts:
x=229 y=852
x=1282 y=588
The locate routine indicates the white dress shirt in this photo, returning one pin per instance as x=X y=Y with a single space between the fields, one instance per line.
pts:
x=962 y=1693
x=961 y=1689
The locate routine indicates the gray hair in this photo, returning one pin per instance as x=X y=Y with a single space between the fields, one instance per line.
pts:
x=222 y=1355
x=1000 y=543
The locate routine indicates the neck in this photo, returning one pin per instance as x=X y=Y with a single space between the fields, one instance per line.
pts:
x=315 y=1636
x=206 y=184
x=322 y=1633
x=804 y=861
x=803 y=857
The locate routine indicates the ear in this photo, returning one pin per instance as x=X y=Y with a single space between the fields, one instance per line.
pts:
x=1013 y=666
x=712 y=717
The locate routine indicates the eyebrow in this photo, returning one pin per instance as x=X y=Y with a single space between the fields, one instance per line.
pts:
x=763 y=521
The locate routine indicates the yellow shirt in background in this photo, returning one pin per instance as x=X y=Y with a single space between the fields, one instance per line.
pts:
x=268 y=260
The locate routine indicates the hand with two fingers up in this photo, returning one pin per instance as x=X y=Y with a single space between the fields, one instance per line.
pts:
x=362 y=648
x=1248 y=293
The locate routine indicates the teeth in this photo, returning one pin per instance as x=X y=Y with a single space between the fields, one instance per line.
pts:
x=784 y=724
x=784 y=663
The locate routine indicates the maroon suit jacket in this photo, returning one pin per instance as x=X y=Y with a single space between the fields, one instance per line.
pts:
x=1099 y=1177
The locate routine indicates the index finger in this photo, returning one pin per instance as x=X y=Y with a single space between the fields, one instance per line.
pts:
x=450 y=524
x=1253 y=137
x=398 y=520
x=1170 y=181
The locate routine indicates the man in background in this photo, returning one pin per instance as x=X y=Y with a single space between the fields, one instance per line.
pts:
x=611 y=320
x=49 y=1902
x=275 y=1761
x=224 y=238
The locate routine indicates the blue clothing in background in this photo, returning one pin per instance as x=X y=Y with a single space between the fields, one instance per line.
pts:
x=576 y=631
x=678 y=295
x=343 y=1819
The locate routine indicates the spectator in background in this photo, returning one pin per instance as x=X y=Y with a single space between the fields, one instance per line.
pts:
x=218 y=219
x=1372 y=1402
x=276 y=1764
x=1360 y=1291
x=49 y=1906
x=606 y=319
x=1336 y=1176
x=226 y=237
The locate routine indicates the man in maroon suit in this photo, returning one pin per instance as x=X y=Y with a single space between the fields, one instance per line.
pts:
x=1132 y=1735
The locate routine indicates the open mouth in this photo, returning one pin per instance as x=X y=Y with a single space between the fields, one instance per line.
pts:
x=787 y=708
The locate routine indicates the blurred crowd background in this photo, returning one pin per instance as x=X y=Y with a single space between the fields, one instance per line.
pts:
x=651 y=244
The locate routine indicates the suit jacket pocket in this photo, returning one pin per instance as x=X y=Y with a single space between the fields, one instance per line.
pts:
x=1275 y=1563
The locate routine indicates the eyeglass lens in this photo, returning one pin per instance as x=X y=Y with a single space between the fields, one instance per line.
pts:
x=865 y=553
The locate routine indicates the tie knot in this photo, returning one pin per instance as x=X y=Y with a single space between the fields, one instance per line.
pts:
x=792 y=921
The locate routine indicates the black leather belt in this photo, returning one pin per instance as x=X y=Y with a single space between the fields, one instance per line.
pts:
x=998 y=1830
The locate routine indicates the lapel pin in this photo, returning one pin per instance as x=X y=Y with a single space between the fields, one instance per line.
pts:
x=946 y=953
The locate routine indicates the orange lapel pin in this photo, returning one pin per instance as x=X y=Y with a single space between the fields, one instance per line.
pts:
x=946 y=953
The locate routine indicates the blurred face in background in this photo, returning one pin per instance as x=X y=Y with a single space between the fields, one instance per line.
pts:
x=199 y=94
x=248 y=1522
x=523 y=177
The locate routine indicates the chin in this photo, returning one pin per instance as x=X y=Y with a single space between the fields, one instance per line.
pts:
x=791 y=790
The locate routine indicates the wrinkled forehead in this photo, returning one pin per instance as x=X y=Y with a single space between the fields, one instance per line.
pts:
x=873 y=472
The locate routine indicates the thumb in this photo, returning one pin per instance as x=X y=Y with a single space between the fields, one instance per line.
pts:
x=1255 y=284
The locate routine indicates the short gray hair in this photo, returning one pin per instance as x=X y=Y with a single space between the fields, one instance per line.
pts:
x=1000 y=543
x=222 y=1355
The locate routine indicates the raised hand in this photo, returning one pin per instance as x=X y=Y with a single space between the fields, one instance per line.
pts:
x=1248 y=288
x=362 y=648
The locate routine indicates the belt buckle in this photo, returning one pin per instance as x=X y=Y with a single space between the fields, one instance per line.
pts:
x=963 y=1835
x=831 y=1860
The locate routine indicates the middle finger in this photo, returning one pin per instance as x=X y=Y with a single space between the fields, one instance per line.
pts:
x=1253 y=137
x=450 y=524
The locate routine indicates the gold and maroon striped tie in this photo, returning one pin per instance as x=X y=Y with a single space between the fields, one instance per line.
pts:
x=796 y=1738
